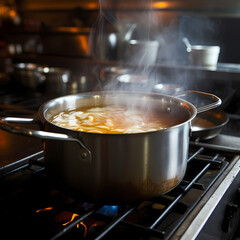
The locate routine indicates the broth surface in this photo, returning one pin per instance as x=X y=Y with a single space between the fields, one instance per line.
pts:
x=113 y=119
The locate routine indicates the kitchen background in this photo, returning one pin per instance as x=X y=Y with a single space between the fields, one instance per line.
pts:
x=54 y=47
x=77 y=36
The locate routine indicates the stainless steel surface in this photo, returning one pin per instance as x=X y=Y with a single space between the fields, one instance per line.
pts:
x=124 y=167
x=122 y=78
x=199 y=100
x=199 y=190
x=208 y=124
x=27 y=75
x=207 y=210
x=81 y=83
x=207 y=219
x=220 y=143
x=56 y=79
x=108 y=37
x=187 y=43
x=53 y=81
x=141 y=52
x=18 y=120
x=204 y=55
x=85 y=153
x=167 y=88
x=130 y=82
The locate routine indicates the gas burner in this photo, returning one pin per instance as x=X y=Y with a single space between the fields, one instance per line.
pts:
x=29 y=199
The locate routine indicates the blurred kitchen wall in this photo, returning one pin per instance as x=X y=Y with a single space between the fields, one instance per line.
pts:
x=49 y=31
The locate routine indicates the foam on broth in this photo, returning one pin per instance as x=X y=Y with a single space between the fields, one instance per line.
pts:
x=113 y=119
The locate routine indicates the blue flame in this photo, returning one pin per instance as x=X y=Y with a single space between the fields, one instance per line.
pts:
x=109 y=210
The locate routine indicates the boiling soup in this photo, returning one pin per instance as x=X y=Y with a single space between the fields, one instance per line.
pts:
x=113 y=119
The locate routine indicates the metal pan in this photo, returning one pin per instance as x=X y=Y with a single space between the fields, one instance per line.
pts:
x=207 y=125
x=116 y=168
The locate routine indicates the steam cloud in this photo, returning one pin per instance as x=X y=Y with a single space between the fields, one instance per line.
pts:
x=128 y=37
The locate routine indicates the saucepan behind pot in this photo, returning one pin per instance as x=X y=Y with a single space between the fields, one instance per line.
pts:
x=28 y=76
x=208 y=124
x=56 y=79
x=202 y=55
x=115 y=168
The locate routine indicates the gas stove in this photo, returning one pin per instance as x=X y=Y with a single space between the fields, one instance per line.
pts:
x=208 y=196
x=205 y=205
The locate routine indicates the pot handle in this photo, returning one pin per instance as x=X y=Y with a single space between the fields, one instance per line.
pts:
x=85 y=153
x=201 y=100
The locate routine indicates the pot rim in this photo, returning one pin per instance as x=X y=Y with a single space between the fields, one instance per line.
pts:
x=205 y=48
x=192 y=111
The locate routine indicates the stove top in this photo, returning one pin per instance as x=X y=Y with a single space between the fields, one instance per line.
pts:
x=18 y=103
x=32 y=206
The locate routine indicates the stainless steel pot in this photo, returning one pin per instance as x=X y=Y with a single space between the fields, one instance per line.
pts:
x=202 y=55
x=28 y=76
x=115 y=168
x=56 y=79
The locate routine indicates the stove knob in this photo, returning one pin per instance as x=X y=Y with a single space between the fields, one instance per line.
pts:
x=230 y=212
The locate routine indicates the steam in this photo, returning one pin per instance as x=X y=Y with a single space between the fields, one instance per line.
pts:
x=128 y=39
x=137 y=40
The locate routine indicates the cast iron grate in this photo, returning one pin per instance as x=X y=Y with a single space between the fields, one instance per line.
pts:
x=34 y=208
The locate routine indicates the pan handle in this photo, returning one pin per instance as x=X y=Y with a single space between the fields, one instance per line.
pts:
x=201 y=100
x=85 y=152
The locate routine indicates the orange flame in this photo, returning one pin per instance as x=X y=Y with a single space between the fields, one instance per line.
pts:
x=73 y=217
x=44 y=209
x=85 y=228
x=78 y=225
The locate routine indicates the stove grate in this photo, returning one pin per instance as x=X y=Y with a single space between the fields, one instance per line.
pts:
x=157 y=218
